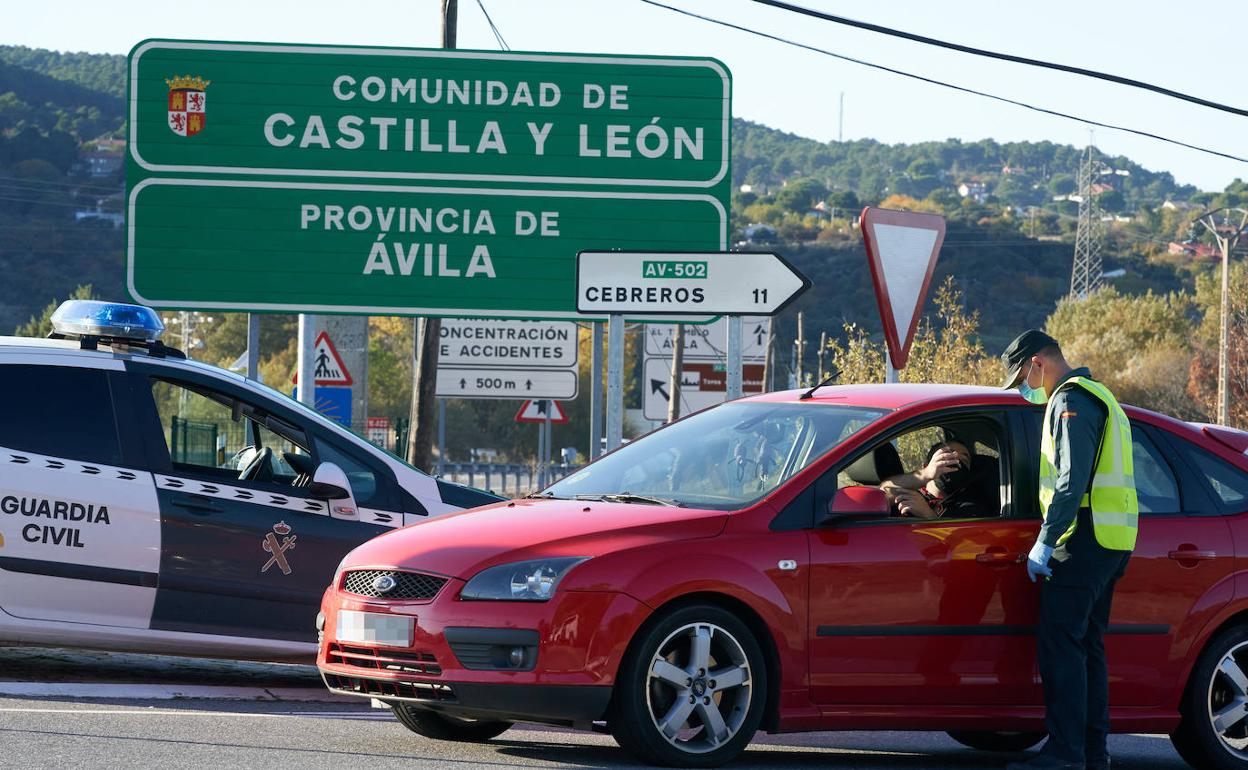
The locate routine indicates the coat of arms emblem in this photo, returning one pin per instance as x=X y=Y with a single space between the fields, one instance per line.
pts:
x=187 y=104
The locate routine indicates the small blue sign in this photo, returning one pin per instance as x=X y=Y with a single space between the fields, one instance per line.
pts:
x=333 y=402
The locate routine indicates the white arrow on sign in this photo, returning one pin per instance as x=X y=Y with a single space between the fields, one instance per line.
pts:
x=685 y=283
x=902 y=247
x=507 y=383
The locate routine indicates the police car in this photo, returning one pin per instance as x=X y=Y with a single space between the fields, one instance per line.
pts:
x=154 y=503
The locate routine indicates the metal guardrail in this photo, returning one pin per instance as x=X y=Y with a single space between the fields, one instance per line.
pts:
x=506 y=479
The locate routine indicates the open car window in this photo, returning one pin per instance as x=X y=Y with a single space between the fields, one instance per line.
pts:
x=212 y=433
x=980 y=496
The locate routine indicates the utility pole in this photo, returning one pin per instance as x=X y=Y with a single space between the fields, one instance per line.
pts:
x=427 y=334
x=840 y=119
x=1227 y=239
x=799 y=346
x=823 y=346
x=678 y=365
x=1086 y=275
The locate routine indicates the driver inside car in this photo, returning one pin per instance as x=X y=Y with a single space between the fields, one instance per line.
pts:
x=942 y=487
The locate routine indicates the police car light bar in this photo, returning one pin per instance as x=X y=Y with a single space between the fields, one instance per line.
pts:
x=89 y=318
x=111 y=322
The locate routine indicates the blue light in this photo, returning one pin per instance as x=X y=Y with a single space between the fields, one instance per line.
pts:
x=86 y=317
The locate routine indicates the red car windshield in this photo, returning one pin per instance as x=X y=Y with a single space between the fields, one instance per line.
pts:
x=724 y=458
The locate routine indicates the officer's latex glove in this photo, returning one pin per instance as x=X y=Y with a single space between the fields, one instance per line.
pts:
x=1038 y=561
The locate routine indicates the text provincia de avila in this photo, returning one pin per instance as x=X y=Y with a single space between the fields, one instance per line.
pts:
x=408 y=134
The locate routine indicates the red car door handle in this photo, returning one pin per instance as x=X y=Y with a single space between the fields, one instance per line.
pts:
x=1191 y=554
x=999 y=558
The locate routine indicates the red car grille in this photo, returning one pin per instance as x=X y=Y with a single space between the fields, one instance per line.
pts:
x=405 y=585
x=383 y=660
x=386 y=689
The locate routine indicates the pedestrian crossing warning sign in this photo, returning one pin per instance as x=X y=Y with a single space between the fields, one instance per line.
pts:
x=327 y=365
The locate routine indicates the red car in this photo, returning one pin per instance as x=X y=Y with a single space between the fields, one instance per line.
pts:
x=740 y=570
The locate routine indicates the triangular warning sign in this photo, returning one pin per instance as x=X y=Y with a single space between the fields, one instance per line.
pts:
x=327 y=365
x=535 y=410
x=902 y=247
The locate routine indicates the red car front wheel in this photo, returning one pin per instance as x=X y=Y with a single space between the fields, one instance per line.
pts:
x=692 y=689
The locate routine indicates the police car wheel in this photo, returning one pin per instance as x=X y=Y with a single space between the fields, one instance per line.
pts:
x=996 y=741
x=691 y=690
x=440 y=727
x=1213 y=732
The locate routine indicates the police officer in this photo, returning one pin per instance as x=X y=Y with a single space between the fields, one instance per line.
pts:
x=1091 y=515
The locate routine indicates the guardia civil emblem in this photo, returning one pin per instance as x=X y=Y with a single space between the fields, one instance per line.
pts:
x=187 y=104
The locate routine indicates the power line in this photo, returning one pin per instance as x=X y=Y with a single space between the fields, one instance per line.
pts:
x=943 y=84
x=1119 y=79
x=497 y=35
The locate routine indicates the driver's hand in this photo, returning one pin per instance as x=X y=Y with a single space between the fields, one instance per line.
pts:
x=944 y=461
x=911 y=503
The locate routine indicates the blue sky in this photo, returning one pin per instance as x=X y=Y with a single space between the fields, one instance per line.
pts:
x=1197 y=51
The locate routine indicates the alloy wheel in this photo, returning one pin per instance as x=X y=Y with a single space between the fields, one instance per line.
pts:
x=698 y=687
x=1228 y=700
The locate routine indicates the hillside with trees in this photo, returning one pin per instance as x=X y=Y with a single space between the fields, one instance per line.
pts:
x=1008 y=250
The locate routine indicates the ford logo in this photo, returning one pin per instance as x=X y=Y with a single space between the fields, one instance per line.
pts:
x=383 y=583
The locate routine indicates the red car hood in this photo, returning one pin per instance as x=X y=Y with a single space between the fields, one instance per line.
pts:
x=462 y=544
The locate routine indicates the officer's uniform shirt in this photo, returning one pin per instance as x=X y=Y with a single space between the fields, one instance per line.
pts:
x=1077 y=423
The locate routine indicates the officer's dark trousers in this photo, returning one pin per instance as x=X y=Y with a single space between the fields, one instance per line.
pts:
x=1074 y=614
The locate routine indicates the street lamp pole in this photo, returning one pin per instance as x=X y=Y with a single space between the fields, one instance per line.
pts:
x=1226 y=243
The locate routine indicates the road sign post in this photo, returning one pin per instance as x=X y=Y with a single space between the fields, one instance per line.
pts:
x=615 y=381
x=734 y=357
x=595 y=393
x=902 y=247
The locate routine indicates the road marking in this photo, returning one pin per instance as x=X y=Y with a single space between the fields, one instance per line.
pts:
x=168 y=692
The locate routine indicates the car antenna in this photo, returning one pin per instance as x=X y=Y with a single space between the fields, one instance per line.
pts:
x=831 y=378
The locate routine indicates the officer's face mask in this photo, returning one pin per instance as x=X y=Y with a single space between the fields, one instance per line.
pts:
x=1034 y=395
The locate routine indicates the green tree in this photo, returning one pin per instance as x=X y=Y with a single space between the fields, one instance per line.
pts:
x=1139 y=346
x=40 y=325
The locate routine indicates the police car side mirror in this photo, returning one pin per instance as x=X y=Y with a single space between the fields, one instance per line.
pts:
x=330 y=483
x=857 y=503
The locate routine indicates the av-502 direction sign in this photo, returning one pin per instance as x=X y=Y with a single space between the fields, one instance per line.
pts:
x=410 y=114
x=727 y=283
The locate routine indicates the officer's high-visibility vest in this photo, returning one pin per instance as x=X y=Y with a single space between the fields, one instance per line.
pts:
x=1115 y=507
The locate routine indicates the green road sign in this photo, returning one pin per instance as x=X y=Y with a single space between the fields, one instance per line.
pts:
x=337 y=247
x=428 y=115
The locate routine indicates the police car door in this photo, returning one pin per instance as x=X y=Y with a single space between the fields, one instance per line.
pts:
x=79 y=526
x=246 y=549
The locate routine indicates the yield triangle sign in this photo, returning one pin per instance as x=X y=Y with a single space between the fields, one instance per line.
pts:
x=537 y=410
x=902 y=247
x=327 y=365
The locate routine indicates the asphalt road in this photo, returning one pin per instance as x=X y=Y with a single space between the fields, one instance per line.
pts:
x=270 y=732
x=58 y=733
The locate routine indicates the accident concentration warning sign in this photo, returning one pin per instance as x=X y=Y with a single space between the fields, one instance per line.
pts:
x=488 y=358
x=426 y=182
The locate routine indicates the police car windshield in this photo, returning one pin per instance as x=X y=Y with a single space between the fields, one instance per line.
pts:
x=723 y=459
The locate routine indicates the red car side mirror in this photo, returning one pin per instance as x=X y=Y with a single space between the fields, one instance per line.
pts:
x=854 y=502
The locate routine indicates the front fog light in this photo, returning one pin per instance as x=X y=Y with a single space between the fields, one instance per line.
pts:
x=516 y=657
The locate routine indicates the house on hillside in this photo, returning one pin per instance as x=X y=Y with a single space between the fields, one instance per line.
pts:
x=974 y=189
x=1193 y=249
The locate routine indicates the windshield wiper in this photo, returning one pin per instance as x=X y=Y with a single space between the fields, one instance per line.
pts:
x=629 y=497
x=541 y=496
